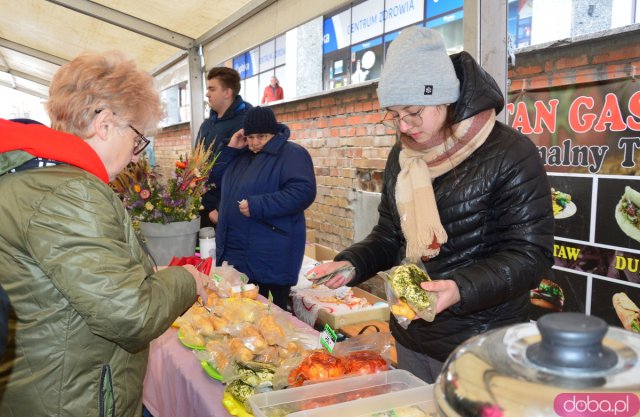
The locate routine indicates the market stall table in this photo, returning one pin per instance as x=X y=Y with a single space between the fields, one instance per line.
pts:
x=176 y=385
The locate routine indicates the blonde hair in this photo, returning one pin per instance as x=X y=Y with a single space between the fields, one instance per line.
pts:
x=97 y=81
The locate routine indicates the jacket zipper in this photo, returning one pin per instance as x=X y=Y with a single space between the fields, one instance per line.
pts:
x=273 y=228
x=105 y=381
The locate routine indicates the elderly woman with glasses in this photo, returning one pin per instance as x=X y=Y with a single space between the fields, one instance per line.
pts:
x=85 y=299
x=266 y=187
x=464 y=197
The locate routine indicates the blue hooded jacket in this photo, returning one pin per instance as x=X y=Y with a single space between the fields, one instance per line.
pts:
x=279 y=184
x=216 y=132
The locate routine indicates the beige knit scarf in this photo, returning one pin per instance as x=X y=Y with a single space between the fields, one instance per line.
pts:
x=420 y=163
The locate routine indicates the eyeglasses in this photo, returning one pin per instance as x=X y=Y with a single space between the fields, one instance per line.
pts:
x=139 y=143
x=412 y=119
x=261 y=137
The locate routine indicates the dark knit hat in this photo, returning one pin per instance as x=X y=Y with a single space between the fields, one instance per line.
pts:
x=260 y=120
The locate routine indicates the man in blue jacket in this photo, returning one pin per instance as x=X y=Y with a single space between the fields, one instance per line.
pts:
x=226 y=117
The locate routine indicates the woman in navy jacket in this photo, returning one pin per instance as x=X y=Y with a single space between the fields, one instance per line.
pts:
x=268 y=184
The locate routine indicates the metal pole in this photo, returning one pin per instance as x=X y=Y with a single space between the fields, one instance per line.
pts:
x=485 y=38
x=196 y=90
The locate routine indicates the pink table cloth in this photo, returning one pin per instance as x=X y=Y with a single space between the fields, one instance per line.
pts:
x=176 y=385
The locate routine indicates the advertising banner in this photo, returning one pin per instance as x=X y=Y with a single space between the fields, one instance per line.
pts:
x=401 y=13
x=366 y=21
x=439 y=7
x=366 y=60
x=267 y=55
x=588 y=137
x=281 y=49
x=336 y=32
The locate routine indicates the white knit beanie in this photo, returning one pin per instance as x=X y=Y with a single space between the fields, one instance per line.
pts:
x=418 y=71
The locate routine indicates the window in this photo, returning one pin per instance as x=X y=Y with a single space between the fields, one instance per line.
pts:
x=257 y=66
x=176 y=103
x=356 y=39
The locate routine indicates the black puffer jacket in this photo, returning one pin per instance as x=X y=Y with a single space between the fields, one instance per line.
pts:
x=496 y=209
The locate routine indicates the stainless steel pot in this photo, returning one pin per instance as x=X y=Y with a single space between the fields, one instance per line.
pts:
x=528 y=370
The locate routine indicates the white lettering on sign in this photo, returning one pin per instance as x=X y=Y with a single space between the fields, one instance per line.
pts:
x=401 y=13
x=366 y=21
x=397 y=10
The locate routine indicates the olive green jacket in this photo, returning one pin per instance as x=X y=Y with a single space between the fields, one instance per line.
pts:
x=85 y=300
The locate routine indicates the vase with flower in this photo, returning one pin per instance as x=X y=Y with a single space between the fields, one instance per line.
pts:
x=166 y=213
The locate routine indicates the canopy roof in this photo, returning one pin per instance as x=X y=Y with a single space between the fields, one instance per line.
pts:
x=37 y=36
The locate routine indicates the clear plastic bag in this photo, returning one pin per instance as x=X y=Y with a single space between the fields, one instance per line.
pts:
x=358 y=355
x=231 y=281
x=218 y=356
x=406 y=298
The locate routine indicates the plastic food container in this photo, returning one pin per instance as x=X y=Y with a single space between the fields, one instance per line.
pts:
x=300 y=401
x=412 y=402
x=377 y=311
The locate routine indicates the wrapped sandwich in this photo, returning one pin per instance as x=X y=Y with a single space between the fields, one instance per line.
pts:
x=627 y=311
x=627 y=212
x=407 y=299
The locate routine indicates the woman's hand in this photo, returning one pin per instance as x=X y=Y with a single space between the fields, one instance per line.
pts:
x=213 y=216
x=243 y=205
x=339 y=279
x=238 y=140
x=447 y=291
x=202 y=282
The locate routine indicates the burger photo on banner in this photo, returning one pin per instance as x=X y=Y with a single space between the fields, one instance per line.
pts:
x=628 y=213
x=617 y=221
x=560 y=291
x=571 y=201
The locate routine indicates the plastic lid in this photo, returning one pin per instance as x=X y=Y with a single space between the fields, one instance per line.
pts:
x=521 y=369
x=207 y=233
x=572 y=341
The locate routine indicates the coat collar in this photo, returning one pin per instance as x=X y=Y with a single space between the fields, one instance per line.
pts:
x=41 y=141
x=277 y=142
x=237 y=106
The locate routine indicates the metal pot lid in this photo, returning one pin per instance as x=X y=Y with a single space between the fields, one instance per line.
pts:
x=520 y=370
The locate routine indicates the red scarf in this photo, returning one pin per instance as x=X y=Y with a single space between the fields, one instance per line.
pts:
x=44 y=142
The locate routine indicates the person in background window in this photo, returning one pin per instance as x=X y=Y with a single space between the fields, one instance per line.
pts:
x=85 y=299
x=268 y=185
x=463 y=195
x=273 y=91
x=225 y=118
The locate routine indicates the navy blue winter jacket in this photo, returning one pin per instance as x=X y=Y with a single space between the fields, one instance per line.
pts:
x=279 y=184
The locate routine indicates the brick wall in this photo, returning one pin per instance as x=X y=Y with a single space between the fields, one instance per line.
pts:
x=586 y=59
x=170 y=143
x=349 y=150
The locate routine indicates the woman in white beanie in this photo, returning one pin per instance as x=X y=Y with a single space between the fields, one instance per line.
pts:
x=464 y=195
